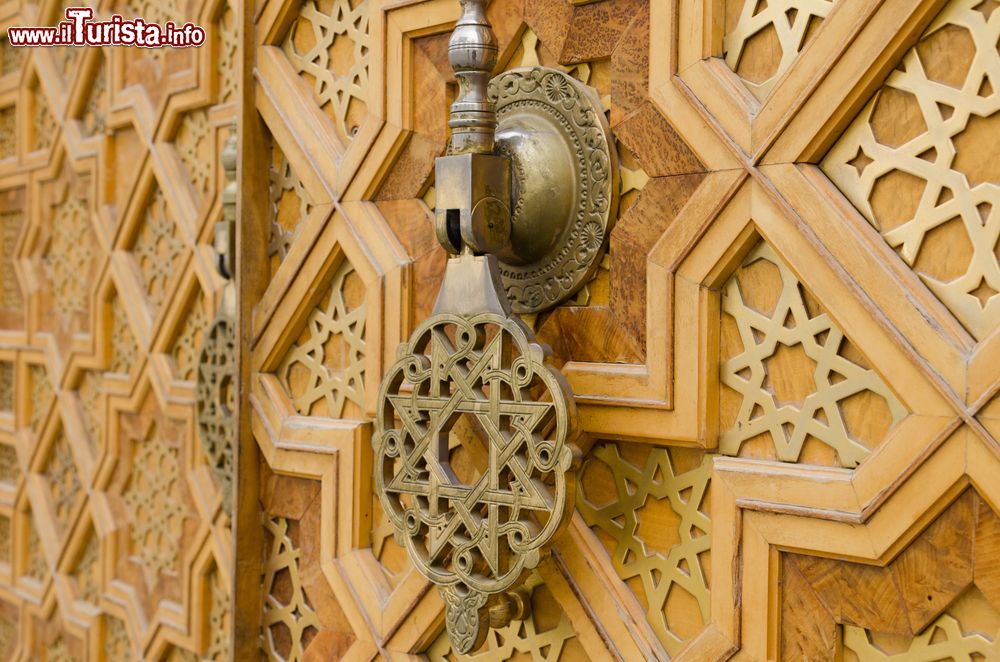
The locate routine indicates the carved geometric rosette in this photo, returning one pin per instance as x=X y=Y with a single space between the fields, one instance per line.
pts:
x=216 y=401
x=476 y=540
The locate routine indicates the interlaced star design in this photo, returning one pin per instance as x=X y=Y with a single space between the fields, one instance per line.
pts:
x=476 y=540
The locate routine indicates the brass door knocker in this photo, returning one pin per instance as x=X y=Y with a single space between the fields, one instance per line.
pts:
x=524 y=207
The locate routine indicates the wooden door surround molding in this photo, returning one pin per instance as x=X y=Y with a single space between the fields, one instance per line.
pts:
x=785 y=365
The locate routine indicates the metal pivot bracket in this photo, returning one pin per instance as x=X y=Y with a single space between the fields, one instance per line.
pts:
x=523 y=208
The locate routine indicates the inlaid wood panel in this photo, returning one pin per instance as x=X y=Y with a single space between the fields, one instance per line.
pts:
x=115 y=546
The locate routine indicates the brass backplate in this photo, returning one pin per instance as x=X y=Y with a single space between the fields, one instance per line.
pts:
x=564 y=180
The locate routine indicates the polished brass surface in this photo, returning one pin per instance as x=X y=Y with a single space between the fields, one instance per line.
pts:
x=564 y=184
x=215 y=393
x=472 y=52
x=473 y=194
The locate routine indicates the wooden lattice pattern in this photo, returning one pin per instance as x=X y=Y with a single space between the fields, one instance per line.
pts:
x=285 y=606
x=639 y=488
x=41 y=394
x=93 y=115
x=124 y=349
x=328 y=47
x=519 y=638
x=87 y=569
x=188 y=342
x=777 y=333
x=117 y=645
x=8 y=132
x=69 y=258
x=11 y=58
x=156 y=506
x=192 y=146
x=9 y=468
x=228 y=73
x=290 y=205
x=5 y=540
x=768 y=36
x=10 y=228
x=6 y=386
x=44 y=123
x=63 y=481
x=38 y=567
x=324 y=368
x=89 y=390
x=219 y=620
x=157 y=249
x=916 y=162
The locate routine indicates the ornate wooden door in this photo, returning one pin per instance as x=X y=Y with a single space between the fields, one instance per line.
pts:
x=113 y=543
x=786 y=364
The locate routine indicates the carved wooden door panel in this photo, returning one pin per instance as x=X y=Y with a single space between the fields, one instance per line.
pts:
x=786 y=364
x=113 y=544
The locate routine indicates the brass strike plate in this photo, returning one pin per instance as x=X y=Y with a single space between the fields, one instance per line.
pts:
x=564 y=184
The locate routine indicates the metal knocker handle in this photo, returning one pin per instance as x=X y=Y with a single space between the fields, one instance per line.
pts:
x=473 y=359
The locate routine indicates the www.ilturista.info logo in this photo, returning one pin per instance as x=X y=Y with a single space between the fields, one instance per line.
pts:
x=79 y=30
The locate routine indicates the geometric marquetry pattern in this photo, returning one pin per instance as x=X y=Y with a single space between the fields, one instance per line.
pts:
x=70 y=255
x=154 y=500
x=41 y=395
x=650 y=512
x=62 y=478
x=919 y=162
x=124 y=350
x=8 y=132
x=290 y=205
x=6 y=386
x=188 y=343
x=324 y=368
x=328 y=47
x=968 y=630
x=9 y=470
x=100 y=305
x=767 y=36
x=288 y=617
x=192 y=147
x=157 y=249
x=546 y=636
x=794 y=388
x=10 y=228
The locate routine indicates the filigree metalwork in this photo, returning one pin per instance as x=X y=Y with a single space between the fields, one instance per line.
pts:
x=554 y=262
x=814 y=412
x=216 y=402
x=791 y=22
x=332 y=54
x=681 y=567
x=155 y=503
x=947 y=638
x=520 y=636
x=294 y=612
x=474 y=541
x=913 y=165
x=319 y=381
